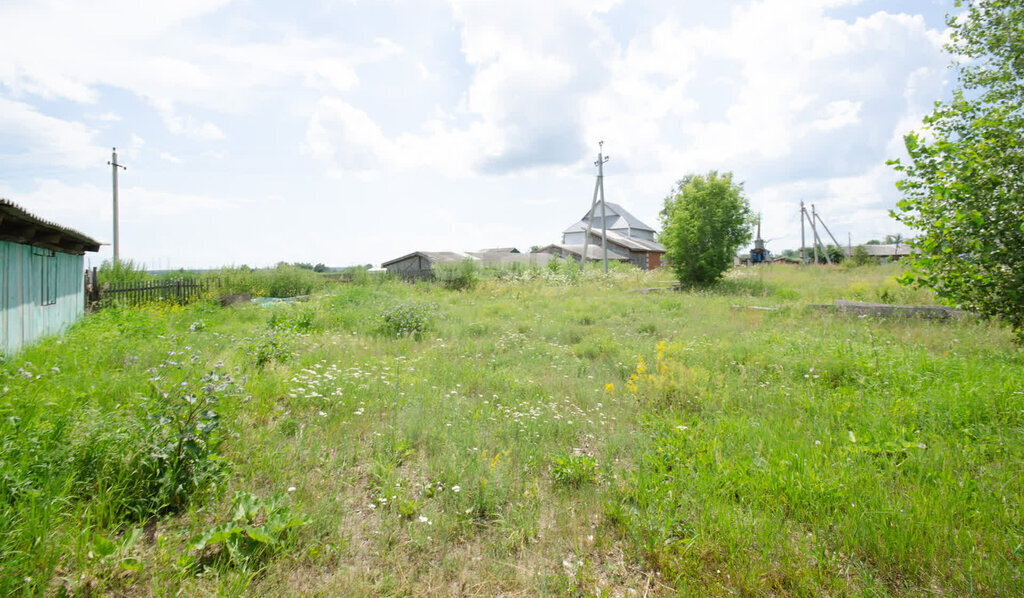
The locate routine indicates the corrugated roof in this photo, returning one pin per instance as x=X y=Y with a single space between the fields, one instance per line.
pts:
x=433 y=257
x=618 y=218
x=593 y=251
x=888 y=250
x=19 y=226
x=499 y=250
x=497 y=258
x=632 y=243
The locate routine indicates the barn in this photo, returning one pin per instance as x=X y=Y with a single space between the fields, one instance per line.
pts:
x=41 y=276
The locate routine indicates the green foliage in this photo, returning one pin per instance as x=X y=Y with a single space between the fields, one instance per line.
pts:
x=705 y=221
x=962 y=187
x=282 y=280
x=268 y=346
x=860 y=256
x=122 y=271
x=571 y=470
x=181 y=458
x=836 y=254
x=256 y=528
x=457 y=276
x=406 y=319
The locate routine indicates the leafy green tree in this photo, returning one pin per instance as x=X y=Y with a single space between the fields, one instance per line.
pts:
x=963 y=186
x=704 y=222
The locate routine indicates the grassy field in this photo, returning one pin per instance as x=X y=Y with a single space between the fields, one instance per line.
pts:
x=529 y=436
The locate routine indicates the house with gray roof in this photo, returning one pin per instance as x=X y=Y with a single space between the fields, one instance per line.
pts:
x=629 y=239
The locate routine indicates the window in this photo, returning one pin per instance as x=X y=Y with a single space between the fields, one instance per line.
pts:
x=47 y=276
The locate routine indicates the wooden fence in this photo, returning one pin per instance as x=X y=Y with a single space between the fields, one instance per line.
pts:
x=181 y=290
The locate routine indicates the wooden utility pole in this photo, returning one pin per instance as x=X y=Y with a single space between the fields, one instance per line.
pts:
x=803 y=213
x=114 y=166
x=598 y=189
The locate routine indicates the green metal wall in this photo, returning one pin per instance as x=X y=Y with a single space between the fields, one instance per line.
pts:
x=24 y=318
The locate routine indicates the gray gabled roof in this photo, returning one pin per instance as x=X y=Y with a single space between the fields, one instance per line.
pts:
x=433 y=257
x=19 y=226
x=631 y=243
x=618 y=219
x=593 y=251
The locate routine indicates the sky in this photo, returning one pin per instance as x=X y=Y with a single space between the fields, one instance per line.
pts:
x=352 y=132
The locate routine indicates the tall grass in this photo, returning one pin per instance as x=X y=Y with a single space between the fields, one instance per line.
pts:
x=549 y=432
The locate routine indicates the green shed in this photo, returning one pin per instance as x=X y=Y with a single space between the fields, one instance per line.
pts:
x=42 y=287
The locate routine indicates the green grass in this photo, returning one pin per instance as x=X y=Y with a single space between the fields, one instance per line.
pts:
x=548 y=433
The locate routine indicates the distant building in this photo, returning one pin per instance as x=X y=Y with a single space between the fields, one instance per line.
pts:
x=420 y=264
x=629 y=239
x=42 y=287
x=893 y=251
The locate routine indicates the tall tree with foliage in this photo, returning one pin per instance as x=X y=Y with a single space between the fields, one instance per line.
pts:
x=704 y=221
x=963 y=186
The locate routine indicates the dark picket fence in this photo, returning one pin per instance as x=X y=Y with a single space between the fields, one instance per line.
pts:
x=181 y=290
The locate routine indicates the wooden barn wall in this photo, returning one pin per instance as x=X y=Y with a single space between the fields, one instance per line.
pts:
x=23 y=317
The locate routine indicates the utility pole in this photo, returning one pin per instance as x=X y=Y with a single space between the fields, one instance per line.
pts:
x=803 y=213
x=598 y=190
x=114 y=166
x=817 y=239
x=822 y=222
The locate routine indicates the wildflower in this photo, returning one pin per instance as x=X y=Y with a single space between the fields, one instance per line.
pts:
x=456 y=489
x=423 y=519
x=610 y=387
x=291 y=488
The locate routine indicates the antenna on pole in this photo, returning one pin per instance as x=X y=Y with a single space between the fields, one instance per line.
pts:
x=598 y=190
x=114 y=166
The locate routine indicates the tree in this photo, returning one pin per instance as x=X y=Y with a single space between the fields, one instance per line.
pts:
x=963 y=186
x=704 y=222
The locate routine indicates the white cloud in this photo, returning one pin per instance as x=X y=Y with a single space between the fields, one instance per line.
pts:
x=795 y=100
x=51 y=141
x=346 y=138
x=838 y=114
x=185 y=125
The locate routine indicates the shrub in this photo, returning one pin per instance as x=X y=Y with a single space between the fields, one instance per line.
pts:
x=406 y=319
x=180 y=459
x=457 y=275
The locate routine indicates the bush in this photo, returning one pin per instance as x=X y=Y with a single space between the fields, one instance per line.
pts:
x=406 y=319
x=457 y=275
x=182 y=458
